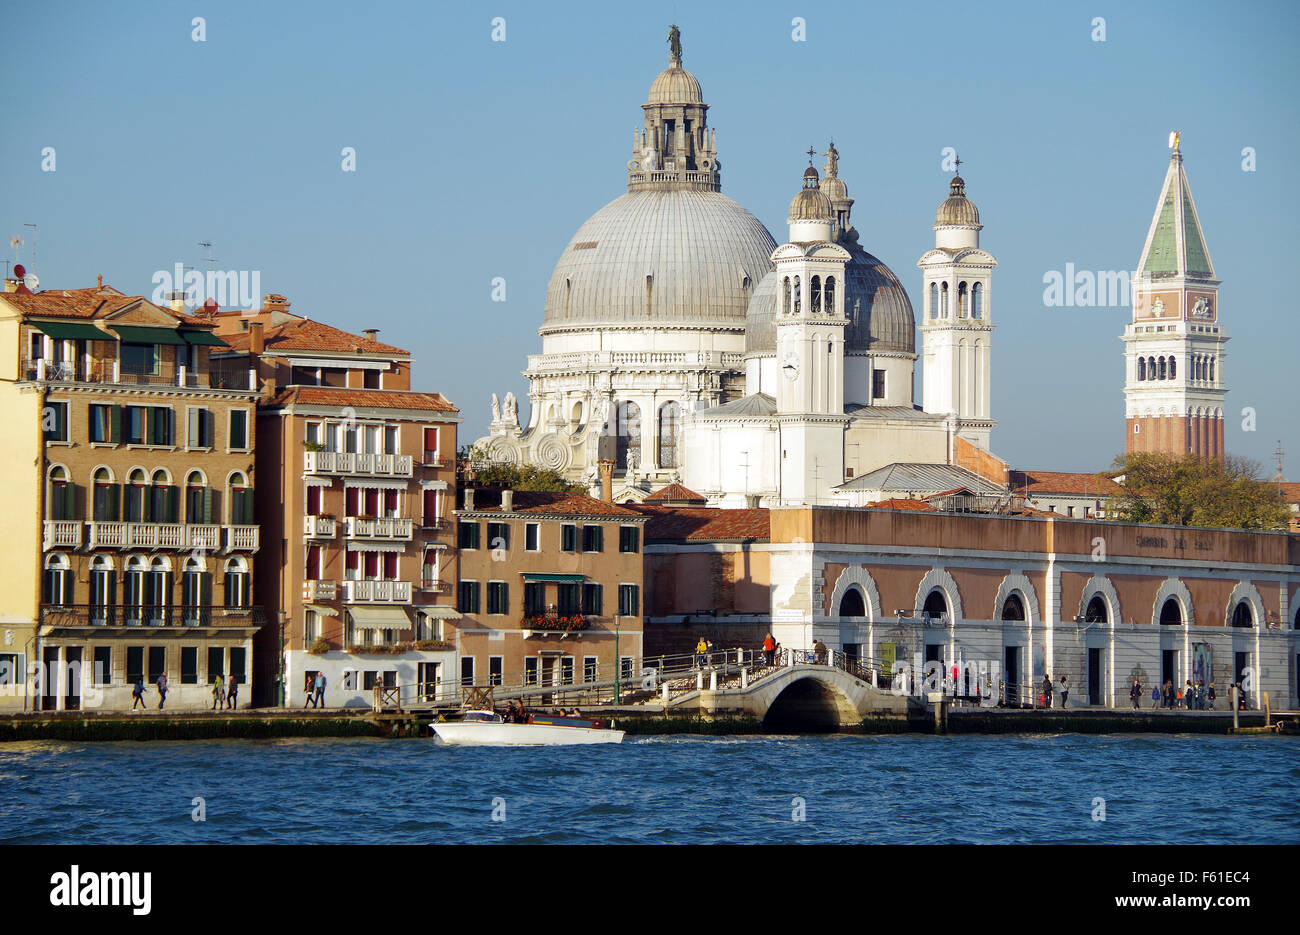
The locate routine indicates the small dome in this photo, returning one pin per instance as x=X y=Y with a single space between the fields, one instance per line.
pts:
x=957 y=210
x=809 y=173
x=833 y=187
x=675 y=85
x=810 y=204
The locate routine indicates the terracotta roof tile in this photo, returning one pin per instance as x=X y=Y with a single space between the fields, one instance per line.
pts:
x=370 y=399
x=550 y=502
x=900 y=504
x=1290 y=490
x=309 y=335
x=1038 y=483
x=71 y=303
x=705 y=523
x=676 y=492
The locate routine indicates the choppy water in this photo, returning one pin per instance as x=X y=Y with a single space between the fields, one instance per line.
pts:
x=854 y=789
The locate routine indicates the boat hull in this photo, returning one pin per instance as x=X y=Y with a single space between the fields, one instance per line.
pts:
x=479 y=734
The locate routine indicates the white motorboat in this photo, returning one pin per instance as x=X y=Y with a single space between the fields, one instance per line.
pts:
x=488 y=729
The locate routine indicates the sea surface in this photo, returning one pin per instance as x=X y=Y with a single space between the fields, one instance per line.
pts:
x=839 y=789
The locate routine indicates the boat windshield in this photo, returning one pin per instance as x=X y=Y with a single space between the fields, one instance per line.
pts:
x=487 y=716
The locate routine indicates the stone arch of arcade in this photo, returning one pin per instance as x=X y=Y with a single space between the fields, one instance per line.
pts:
x=852 y=581
x=938 y=579
x=1173 y=588
x=1247 y=593
x=1017 y=583
x=1099 y=586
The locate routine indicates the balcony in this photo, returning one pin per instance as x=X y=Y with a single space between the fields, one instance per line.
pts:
x=357 y=463
x=435 y=524
x=434 y=586
x=150 y=615
x=171 y=536
x=61 y=534
x=377 y=592
x=207 y=538
x=319 y=527
x=390 y=527
x=108 y=371
x=319 y=590
x=241 y=538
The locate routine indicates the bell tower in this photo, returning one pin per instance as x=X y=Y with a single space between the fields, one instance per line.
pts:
x=1174 y=386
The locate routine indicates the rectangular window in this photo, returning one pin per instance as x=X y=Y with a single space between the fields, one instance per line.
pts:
x=238 y=663
x=310 y=627
x=629 y=539
x=157 y=662
x=430 y=446
x=591 y=599
x=189 y=665
x=532 y=537
x=468 y=597
x=467 y=670
x=390 y=431
x=103 y=673
x=369 y=680
x=238 y=437
x=568 y=538
x=198 y=428
x=496 y=665
x=216 y=663
x=566 y=670
x=430 y=498
x=468 y=535
x=133 y=424
x=100 y=423
x=498 y=597
x=534 y=598
x=140 y=359
x=877 y=384
x=568 y=598
x=628 y=600
x=54 y=421
x=134 y=664
x=530 y=670
x=160 y=426
x=589 y=668
x=593 y=539
x=498 y=536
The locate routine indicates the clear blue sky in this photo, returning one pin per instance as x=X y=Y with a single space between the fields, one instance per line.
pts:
x=478 y=159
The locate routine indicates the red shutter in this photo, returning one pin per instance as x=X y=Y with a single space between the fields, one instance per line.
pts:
x=351 y=500
x=430 y=443
x=313 y=500
x=354 y=560
x=430 y=507
x=313 y=563
x=372 y=501
x=390 y=565
x=372 y=564
x=390 y=502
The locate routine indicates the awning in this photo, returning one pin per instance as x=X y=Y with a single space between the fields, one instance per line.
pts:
x=350 y=364
x=203 y=337
x=441 y=613
x=376 y=545
x=433 y=484
x=380 y=618
x=530 y=576
x=140 y=334
x=323 y=609
x=71 y=331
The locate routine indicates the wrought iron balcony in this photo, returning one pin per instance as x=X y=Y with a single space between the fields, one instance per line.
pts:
x=357 y=463
x=150 y=615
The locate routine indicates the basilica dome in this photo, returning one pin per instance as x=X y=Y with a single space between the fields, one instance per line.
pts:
x=661 y=256
x=879 y=312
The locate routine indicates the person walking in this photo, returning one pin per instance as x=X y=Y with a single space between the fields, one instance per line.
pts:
x=1210 y=695
x=311 y=691
x=1064 y=686
x=162 y=690
x=1168 y=694
x=138 y=694
x=320 y=689
x=769 y=649
x=232 y=693
x=1135 y=694
x=1047 y=690
x=1189 y=695
x=218 y=692
x=819 y=652
x=700 y=649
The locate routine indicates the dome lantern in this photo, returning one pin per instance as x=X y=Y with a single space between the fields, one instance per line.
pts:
x=674 y=149
x=811 y=212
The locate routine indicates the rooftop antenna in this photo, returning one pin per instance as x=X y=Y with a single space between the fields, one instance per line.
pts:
x=1280 y=453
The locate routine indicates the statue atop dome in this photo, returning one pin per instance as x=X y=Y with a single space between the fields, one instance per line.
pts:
x=674 y=47
x=832 y=161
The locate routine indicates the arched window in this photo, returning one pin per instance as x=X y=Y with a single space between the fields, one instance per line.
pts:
x=977 y=300
x=103 y=591
x=133 y=590
x=196 y=593
x=627 y=428
x=58 y=503
x=57 y=584
x=670 y=417
x=157 y=591
x=795 y=308
x=105 y=507
x=1142 y=368
x=238 y=585
x=830 y=294
x=934 y=300
x=815 y=294
x=162 y=500
x=943 y=301
x=936 y=604
x=1013 y=608
x=198 y=500
x=241 y=500
x=851 y=604
x=1151 y=368
x=1242 y=615
x=1173 y=368
x=1097 y=611
x=1163 y=369
x=135 y=497
x=962 y=297
x=1211 y=375
x=1171 y=614
x=785 y=296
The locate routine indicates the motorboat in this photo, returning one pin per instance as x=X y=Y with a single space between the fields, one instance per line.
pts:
x=489 y=729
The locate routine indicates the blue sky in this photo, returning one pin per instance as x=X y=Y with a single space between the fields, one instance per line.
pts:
x=478 y=159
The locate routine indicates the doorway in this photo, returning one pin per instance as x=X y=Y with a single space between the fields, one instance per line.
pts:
x=72 y=696
x=1240 y=663
x=1094 y=677
x=1169 y=667
x=1011 y=683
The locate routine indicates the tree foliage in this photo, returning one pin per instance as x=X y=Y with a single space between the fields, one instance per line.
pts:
x=1188 y=490
x=477 y=471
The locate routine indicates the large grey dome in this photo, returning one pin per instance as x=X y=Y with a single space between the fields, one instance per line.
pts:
x=661 y=256
x=879 y=312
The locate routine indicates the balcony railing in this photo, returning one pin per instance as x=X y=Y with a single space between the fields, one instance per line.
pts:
x=241 y=538
x=205 y=537
x=377 y=592
x=434 y=585
x=150 y=615
x=319 y=527
x=61 y=534
x=349 y=462
x=436 y=523
x=319 y=590
x=355 y=527
x=103 y=370
x=173 y=536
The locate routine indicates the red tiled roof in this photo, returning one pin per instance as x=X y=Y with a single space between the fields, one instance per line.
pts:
x=705 y=523
x=675 y=492
x=1290 y=490
x=900 y=504
x=1039 y=483
x=71 y=303
x=551 y=502
x=949 y=493
x=370 y=399
x=308 y=335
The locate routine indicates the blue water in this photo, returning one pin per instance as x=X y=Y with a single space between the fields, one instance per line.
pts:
x=854 y=789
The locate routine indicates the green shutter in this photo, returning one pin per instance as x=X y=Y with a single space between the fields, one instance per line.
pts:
x=58 y=494
x=248 y=507
x=207 y=505
x=114 y=504
x=112 y=588
x=205 y=589
x=115 y=425
x=173 y=504
x=74 y=506
x=192 y=419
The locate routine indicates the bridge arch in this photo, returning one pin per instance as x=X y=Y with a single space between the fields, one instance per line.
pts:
x=808 y=704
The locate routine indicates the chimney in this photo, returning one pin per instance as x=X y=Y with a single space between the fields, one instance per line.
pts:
x=99 y=281
x=469 y=499
x=371 y=333
x=256 y=338
x=606 y=481
x=507 y=501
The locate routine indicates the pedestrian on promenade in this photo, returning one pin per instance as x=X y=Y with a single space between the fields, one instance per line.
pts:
x=819 y=652
x=320 y=689
x=1064 y=686
x=311 y=691
x=218 y=692
x=701 y=648
x=232 y=693
x=1200 y=695
x=1047 y=690
x=1209 y=695
x=769 y=649
x=162 y=690
x=1168 y=694
x=1189 y=696
x=1135 y=694
x=138 y=694
x=708 y=651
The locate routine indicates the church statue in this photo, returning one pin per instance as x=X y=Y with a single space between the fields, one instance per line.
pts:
x=675 y=46
x=832 y=161
x=496 y=408
x=511 y=411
